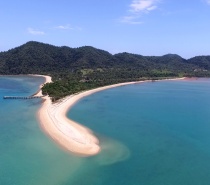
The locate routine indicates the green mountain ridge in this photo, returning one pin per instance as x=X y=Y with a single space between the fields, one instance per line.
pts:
x=36 y=57
x=76 y=69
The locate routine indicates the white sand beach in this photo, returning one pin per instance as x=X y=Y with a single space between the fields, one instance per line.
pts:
x=70 y=135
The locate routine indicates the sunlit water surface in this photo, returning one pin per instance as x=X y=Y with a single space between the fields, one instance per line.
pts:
x=150 y=133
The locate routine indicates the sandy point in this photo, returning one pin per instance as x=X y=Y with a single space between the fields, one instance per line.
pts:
x=70 y=135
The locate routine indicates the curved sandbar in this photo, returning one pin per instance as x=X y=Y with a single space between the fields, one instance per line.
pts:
x=67 y=133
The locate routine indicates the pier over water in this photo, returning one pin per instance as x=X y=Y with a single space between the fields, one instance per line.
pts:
x=22 y=97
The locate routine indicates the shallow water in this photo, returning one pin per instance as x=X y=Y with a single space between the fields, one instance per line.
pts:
x=151 y=133
x=162 y=127
x=27 y=156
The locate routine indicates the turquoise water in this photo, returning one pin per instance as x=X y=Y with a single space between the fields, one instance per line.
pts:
x=151 y=134
x=27 y=156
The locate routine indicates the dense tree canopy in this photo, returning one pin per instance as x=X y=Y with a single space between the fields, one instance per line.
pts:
x=76 y=69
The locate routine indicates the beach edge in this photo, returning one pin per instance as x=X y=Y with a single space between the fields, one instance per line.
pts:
x=68 y=134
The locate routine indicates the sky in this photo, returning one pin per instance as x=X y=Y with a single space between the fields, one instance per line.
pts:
x=145 y=27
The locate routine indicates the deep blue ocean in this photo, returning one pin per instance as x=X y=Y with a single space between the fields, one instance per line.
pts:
x=155 y=133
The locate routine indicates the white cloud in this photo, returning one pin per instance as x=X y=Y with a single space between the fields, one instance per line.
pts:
x=35 y=32
x=67 y=27
x=137 y=9
x=151 y=8
x=131 y=20
x=64 y=27
x=139 y=6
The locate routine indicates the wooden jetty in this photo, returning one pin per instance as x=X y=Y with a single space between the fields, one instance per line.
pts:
x=22 y=97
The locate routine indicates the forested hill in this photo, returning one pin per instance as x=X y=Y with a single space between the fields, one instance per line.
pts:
x=75 y=69
x=35 y=57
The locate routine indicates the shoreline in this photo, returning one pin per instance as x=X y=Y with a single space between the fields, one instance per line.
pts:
x=68 y=134
x=48 y=79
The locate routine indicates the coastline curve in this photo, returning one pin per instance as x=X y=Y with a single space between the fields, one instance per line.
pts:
x=69 y=134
